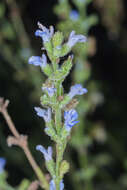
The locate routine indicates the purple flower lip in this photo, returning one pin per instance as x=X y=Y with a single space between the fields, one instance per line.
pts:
x=45 y=33
x=70 y=117
x=38 y=61
x=45 y=114
x=47 y=153
x=50 y=90
x=52 y=185
x=77 y=89
x=74 y=15
x=73 y=39
x=45 y=36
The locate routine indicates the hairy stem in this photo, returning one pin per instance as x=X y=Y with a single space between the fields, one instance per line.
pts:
x=59 y=146
x=58 y=119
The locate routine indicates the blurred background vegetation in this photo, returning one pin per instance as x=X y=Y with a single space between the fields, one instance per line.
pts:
x=105 y=65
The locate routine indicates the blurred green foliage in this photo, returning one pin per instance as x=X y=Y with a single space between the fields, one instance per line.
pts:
x=16 y=47
x=5 y=186
x=112 y=15
x=83 y=135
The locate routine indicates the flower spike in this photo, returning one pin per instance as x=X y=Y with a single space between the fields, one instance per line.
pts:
x=55 y=100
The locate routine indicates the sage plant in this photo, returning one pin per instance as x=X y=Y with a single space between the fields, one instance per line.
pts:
x=58 y=116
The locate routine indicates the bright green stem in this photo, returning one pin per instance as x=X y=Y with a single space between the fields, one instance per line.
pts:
x=58 y=161
x=59 y=89
x=58 y=116
x=59 y=156
x=60 y=147
x=55 y=66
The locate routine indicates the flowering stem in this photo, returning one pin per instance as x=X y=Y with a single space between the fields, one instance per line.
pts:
x=55 y=66
x=55 y=101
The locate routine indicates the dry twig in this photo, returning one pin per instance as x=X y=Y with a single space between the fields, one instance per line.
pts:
x=21 y=141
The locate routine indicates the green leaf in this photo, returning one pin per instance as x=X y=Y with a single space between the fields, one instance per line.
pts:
x=2 y=10
x=64 y=168
x=57 y=39
x=47 y=70
x=24 y=185
x=7 y=30
x=51 y=168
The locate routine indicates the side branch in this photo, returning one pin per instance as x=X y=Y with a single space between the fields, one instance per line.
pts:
x=21 y=140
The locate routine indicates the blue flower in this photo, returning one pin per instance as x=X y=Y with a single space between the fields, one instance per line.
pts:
x=51 y=90
x=74 y=15
x=53 y=186
x=46 y=114
x=70 y=117
x=38 y=61
x=44 y=32
x=47 y=153
x=73 y=39
x=2 y=164
x=77 y=89
x=61 y=185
